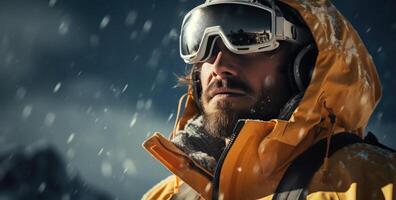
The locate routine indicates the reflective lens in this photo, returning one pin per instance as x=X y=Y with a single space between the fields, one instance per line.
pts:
x=241 y=24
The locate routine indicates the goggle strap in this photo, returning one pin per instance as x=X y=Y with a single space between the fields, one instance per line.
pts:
x=285 y=30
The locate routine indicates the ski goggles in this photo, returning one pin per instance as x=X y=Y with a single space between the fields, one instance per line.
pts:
x=244 y=27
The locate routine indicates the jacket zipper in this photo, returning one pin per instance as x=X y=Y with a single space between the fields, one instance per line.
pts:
x=216 y=178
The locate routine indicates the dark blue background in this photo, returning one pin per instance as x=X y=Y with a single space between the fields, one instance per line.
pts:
x=97 y=91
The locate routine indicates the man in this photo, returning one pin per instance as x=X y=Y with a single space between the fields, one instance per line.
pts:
x=279 y=96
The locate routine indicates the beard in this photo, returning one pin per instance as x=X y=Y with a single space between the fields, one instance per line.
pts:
x=221 y=122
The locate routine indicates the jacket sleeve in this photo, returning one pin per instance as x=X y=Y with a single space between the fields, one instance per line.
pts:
x=163 y=190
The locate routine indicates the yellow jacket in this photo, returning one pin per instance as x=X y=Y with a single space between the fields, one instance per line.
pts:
x=344 y=83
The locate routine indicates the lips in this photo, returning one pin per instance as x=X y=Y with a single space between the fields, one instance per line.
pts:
x=226 y=92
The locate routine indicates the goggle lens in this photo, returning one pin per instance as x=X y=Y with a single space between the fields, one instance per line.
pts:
x=242 y=25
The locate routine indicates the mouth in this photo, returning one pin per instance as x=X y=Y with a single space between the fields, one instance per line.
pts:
x=227 y=93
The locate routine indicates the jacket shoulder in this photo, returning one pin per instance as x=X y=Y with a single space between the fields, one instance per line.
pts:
x=162 y=190
x=358 y=171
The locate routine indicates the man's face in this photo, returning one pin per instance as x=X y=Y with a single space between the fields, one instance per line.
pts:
x=249 y=86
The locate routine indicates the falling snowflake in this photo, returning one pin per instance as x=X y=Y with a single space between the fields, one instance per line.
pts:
x=154 y=59
x=208 y=187
x=131 y=18
x=147 y=26
x=105 y=21
x=70 y=139
x=148 y=104
x=21 y=93
x=27 y=111
x=125 y=88
x=239 y=169
x=100 y=152
x=301 y=133
x=42 y=187
x=129 y=167
x=64 y=27
x=65 y=197
x=133 y=121
x=57 y=87
x=170 y=117
x=133 y=35
x=161 y=76
x=70 y=153
x=49 y=119
x=94 y=40
x=363 y=155
x=139 y=104
x=106 y=169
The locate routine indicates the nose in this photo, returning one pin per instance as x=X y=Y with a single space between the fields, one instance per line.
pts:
x=225 y=62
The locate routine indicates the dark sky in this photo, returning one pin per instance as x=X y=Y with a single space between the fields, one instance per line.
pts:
x=95 y=78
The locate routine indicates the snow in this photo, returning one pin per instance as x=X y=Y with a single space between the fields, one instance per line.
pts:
x=42 y=187
x=221 y=196
x=70 y=139
x=27 y=111
x=363 y=155
x=131 y=18
x=140 y=104
x=51 y=3
x=364 y=99
x=170 y=117
x=57 y=87
x=106 y=169
x=172 y=36
x=154 y=59
x=64 y=27
x=100 y=152
x=133 y=35
x=208 y=187
x=105 y=21
x=148 y=104
x=133 y=121
x=325 y=13
x=339 y=183
x=49 y=119
x=70 y=153
x=269 y=81
x=301 y=133
x=21 y=93
x=129 y=167
x=342 y=165
x=147 y=26
x=94 y=40
x=351 y=51
x=124 y=88
x=66 y=197
x=316 y=26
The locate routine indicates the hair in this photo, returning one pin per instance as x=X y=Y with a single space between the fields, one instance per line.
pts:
x=186 y=78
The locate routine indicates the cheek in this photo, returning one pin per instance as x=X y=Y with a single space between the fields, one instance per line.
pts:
x=264 y=80
x=204 y=77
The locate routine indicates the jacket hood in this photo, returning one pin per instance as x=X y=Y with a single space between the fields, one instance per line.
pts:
x=343 y=92
x=344 y=83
